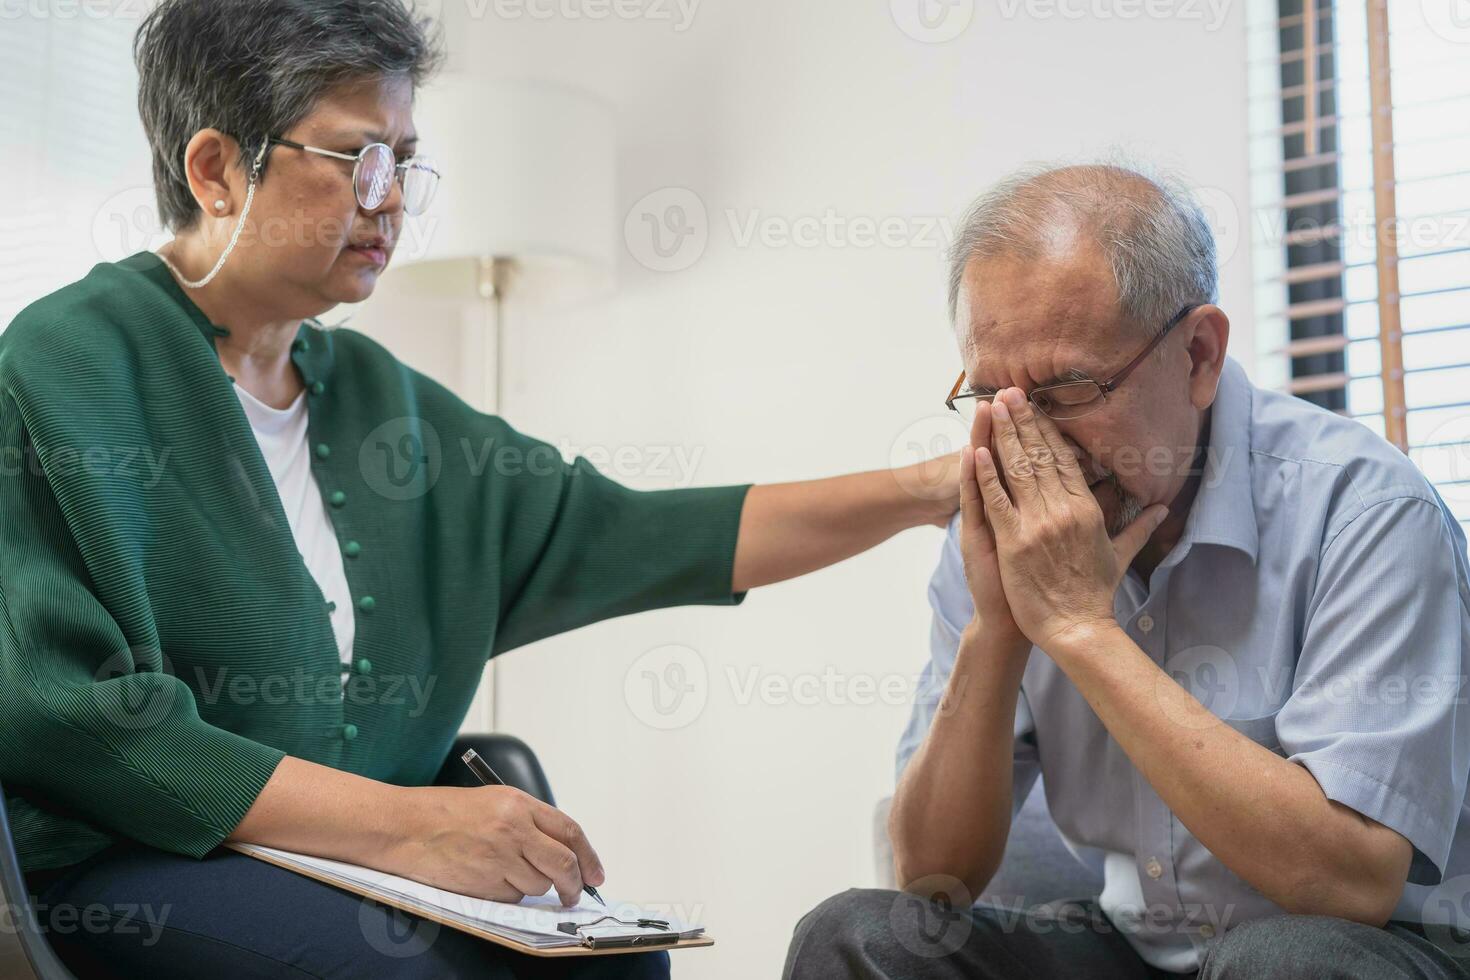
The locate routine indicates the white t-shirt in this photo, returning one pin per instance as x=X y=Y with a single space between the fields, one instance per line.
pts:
x=282 y=437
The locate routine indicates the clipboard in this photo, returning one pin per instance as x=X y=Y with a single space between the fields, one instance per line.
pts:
x=587 y=935
x=586 y=947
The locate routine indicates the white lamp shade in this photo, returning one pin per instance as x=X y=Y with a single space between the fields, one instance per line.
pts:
x=529 y=174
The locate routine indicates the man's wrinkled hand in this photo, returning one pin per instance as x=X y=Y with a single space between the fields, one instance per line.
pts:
x=977 y=546
x=1057 y=564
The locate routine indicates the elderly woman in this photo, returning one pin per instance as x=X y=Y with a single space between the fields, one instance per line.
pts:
x=247 y=586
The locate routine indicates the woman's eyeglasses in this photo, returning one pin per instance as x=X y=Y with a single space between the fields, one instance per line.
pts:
x=374 y=170
x=1068 y=399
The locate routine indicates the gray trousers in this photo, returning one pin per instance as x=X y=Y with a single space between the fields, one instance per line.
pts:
x=875 y=933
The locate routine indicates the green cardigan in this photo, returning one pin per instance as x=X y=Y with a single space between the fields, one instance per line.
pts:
x=162 y=644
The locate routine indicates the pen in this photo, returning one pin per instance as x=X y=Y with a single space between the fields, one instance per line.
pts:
x=486 y=775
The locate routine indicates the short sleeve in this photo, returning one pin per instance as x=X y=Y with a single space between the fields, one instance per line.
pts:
x=952 y=609
x=1377 y=712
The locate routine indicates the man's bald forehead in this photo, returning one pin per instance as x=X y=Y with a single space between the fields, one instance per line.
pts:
x=1154 y=241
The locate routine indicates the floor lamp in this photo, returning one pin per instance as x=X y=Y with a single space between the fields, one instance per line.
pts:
x=524 y=221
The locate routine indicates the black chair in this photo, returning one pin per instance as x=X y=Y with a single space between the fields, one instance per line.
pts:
x=512 y=760
x=26 y=954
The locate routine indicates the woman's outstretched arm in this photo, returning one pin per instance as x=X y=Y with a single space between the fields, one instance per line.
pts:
x=790 y=529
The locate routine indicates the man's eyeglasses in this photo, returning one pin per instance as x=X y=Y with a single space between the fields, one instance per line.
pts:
x=374 y=170
x=1068 y=399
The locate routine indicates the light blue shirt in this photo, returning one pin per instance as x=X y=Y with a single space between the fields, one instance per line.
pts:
x=1318 y=602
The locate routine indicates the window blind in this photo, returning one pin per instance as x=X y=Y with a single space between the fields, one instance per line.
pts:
x=1360 y=174
x=79 y=188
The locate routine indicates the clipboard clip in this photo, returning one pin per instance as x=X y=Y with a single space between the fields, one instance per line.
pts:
x=664 y=938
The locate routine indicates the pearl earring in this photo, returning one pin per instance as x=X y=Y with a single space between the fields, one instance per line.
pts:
x=219 y=205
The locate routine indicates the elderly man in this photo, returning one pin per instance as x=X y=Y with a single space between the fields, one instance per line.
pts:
x=1227 y=627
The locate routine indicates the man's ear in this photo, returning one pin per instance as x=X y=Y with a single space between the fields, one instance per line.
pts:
x=1208 y=339
x=211 y=165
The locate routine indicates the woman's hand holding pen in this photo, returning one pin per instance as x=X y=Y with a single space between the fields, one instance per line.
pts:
x=488 y=841
x=493 y=842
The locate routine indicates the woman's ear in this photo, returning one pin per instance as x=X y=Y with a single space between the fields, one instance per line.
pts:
x=1207 y=355
x=211 y=165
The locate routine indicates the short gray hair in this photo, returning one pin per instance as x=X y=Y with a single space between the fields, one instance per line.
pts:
x=1150 y=229
x=254 y=68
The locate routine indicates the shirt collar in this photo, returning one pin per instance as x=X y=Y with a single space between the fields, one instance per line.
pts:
x=1224 y=511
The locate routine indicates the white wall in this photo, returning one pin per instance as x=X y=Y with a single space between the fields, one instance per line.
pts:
x=767 y=362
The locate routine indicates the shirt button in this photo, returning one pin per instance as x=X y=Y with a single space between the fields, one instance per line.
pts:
x=323 y=450
x=364 y=665
x=1146 y=623
x=1153 y=868
x=352 y=549
x=367 y=603
x=349 y=731
x=331 y=607
x=317 y=387
x=300 y=344
x=1207 y=930
x=338 y=498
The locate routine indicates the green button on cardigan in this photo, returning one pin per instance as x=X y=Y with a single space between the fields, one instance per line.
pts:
x=162 y=644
